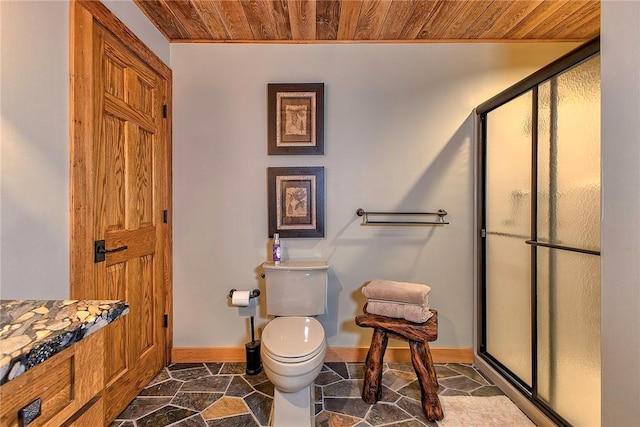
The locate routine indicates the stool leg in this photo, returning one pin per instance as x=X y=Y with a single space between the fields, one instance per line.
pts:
x=423 y=365
x=428 y=363
x=372 y=388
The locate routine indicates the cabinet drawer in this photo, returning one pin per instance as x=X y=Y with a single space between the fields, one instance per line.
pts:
x=52 y=386
x=61 y=385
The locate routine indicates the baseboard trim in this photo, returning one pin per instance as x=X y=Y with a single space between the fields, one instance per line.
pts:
x=334 y=354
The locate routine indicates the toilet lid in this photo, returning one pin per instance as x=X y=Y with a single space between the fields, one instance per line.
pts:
x=292 y=338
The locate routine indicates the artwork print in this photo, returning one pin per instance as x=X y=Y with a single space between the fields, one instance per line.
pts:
x=296 y=201
x=295 y=118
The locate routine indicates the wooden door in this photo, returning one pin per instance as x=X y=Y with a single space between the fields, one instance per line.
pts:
x=120 y=173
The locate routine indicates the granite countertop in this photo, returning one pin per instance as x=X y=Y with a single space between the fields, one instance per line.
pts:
x=31 y=331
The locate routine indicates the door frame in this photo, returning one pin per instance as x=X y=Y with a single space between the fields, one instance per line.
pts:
x=82 y=122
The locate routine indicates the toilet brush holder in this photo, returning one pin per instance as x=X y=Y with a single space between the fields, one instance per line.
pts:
x=254 y=364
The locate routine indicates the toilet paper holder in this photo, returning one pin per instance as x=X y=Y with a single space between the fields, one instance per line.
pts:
x=254 y=293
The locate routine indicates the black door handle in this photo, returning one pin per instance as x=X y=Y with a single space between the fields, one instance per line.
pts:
x=108 y=251
x=100 y=251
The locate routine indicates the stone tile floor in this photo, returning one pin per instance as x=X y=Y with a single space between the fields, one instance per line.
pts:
x=221 y=394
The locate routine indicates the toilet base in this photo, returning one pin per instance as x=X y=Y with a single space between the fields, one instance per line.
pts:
x=294 y=409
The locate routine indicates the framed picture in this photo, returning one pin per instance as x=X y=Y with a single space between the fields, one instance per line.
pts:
x=296 y=201
x=295 y=118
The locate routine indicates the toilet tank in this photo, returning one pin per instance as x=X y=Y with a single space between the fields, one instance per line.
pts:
x=296 y=288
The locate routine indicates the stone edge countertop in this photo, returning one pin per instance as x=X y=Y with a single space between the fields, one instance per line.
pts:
x=31 y=331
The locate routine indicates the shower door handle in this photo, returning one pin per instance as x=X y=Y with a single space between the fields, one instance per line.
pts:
x=562 y=247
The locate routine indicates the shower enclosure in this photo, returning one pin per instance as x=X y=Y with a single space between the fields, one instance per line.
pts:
x=539 y=228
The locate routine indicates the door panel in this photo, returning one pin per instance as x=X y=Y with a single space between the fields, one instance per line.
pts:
x=120 y=189
x=569 y=334
x=130 y=137
x=569 y=157
x=508 y=177
x=568 y=214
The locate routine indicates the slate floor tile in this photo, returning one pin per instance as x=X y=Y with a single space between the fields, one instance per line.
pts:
x=142 y=406
x=214 y=368
x=339 y=368
x=468 y=371
x=196 y=401
x=162 y=376
x=238 y=387
x=345 y=388
x=356 y=370
x=225 y=407
x=265 y=388
x=331 y=419
x=260 y=405
x=385 y=413
x=235 y=421
x=164 y=416
x=460 y=383
x=487 y=391
x=233 y=368
x=351 y=406
x=222 y=395
x=165 y=388
x=212 y=384
x=190 y=374
x=195 y=421
x=328 y=377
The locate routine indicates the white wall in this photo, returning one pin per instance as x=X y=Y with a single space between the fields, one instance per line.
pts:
x=34 y=151
x=398 y=135
x=620 y=213
x=34 y=172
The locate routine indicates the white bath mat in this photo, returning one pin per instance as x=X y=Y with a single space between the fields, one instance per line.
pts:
x=495 y=411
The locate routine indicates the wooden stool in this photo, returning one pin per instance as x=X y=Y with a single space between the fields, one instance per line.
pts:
x=418 y=335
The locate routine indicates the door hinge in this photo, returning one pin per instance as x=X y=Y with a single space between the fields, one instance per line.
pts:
x=483 y=233
x=165 y=320
x=164 y=111
x=165 y=216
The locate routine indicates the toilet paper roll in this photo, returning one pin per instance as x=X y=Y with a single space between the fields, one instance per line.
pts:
x=241 y=298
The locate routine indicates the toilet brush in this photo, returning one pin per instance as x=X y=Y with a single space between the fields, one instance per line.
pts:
x=254 y=365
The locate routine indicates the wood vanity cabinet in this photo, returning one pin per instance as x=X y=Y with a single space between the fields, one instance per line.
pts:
x=68 y=387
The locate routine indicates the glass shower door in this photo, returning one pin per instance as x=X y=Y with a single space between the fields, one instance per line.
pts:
x=541 y=241
x=508 y=226
x=568 y=224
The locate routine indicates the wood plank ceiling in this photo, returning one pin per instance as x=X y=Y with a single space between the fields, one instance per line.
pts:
x=325 y=21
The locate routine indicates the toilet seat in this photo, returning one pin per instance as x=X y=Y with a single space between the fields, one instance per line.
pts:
x=293 y=339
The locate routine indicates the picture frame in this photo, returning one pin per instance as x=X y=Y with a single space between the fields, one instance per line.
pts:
x=296 y=201
x=295 y=118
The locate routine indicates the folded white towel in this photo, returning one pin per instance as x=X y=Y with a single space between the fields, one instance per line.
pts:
x=405 y=292
x=417 y=313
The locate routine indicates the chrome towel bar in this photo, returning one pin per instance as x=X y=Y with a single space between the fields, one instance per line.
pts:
x=440 y=214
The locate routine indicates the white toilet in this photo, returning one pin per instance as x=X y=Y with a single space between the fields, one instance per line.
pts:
x=293 y=344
